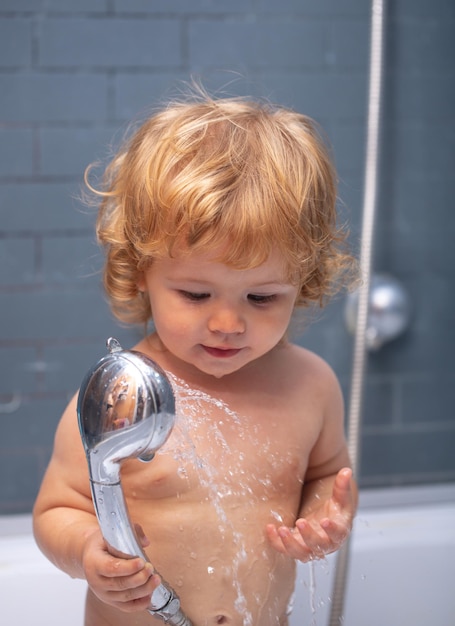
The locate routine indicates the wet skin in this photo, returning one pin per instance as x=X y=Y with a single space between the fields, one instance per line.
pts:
x=220 y=501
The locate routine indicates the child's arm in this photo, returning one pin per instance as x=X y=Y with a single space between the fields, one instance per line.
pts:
x=329 y=494
x=67 y=531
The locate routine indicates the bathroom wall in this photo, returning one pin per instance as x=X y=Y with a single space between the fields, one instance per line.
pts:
x=73 y=72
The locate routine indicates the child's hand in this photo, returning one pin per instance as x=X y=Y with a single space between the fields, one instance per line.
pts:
x=324 y=530
x=125 y=583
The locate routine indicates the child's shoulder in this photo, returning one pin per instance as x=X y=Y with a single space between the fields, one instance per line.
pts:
x=305 y=358
x=309 y=366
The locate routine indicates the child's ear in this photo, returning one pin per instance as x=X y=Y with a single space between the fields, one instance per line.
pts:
x=140 y=283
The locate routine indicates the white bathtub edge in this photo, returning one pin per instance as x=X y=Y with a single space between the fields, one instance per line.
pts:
x=12 y=525
x=397 y=497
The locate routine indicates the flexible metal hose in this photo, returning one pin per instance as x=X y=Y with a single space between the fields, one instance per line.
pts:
x=366 y=254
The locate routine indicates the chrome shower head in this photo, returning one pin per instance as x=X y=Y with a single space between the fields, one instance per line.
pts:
x=125 y=409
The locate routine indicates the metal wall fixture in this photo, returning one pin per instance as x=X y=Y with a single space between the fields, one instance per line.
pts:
x=389 y=311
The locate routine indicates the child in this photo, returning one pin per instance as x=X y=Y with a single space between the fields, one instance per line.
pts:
x=218 y=219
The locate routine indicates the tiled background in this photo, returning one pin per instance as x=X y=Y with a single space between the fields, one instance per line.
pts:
x=73 y=72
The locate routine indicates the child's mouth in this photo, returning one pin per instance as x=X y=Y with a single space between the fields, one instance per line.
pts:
x=222 y=353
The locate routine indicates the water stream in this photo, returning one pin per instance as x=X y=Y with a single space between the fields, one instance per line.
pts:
x=204 y=421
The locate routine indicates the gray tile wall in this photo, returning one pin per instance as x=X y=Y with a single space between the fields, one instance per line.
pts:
x=73 y=72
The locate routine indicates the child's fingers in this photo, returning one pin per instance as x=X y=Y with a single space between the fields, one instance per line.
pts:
x=294 y=548
x=304 y=544
x=316 y=541
x=336 y=532
x=283 y=541
x=309 y=541
x=114 y=567
x=135 y=586
x=274 y=538
x=342 y=489
x=134 y=598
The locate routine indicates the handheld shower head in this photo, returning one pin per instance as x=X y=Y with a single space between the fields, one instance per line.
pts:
x=126 y=410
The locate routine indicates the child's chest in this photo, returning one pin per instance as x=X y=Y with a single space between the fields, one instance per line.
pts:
x=216 y=452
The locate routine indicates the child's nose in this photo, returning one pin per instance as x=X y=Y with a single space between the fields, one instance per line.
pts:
x=226 y=320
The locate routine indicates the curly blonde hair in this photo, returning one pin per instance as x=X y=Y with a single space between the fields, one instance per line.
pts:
x=221 y=174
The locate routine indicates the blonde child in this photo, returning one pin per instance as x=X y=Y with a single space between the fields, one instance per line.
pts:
x=218 y=220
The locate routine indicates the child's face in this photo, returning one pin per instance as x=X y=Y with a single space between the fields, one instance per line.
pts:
x=217 y=318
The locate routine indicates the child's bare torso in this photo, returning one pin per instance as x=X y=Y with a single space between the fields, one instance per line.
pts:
x=204 y=503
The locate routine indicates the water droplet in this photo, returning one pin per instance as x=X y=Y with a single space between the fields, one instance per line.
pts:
x=277 y=516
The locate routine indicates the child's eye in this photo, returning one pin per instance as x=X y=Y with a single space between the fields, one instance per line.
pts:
x=261 y=299
x=194 y=297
